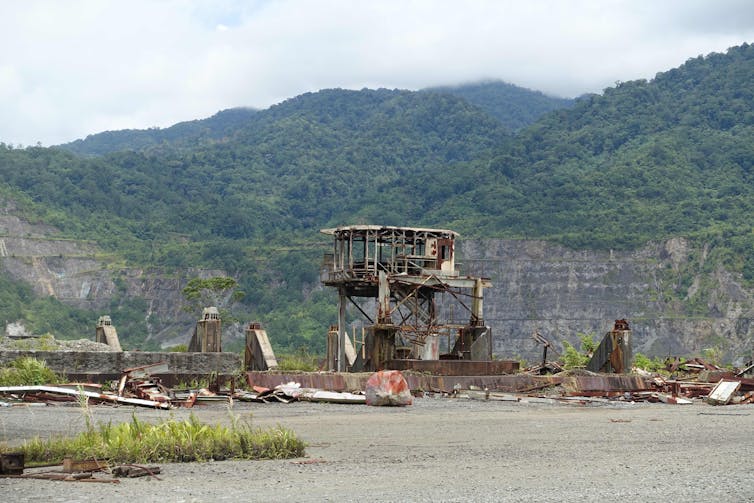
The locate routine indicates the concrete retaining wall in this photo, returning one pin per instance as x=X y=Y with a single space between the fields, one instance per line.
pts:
x=98 y=366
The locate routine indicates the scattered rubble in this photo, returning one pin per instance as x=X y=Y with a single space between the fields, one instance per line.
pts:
x=50 y=343
x=289 y=392
x=693 y=380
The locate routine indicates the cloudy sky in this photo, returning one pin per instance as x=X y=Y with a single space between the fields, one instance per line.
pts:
x=76 y=67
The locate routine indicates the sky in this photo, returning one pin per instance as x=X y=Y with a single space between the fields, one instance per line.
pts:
x=77 y=67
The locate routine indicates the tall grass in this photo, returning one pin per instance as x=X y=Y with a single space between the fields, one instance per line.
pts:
x=168 y=441
x=300 y=360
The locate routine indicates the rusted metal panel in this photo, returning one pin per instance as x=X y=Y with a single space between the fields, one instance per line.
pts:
x=71 y=465
x=614 y=351
x=723 y=392
x=674 y=400
x=324 y=381
x=148 y=370
x=456 y=367
x=611 y=385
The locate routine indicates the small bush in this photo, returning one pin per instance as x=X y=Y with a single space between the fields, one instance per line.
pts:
x=649 y=364
x=588 y=345
x=572 y=358
x=27 y=371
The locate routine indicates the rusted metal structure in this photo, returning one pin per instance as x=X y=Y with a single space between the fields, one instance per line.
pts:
x=404 y=269
x=207 y=336
x=614 y=352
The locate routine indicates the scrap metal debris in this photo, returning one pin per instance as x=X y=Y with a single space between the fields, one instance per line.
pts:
x=133 y=471
x=691 y=381
x=72 y=470
x=22 y=391
x=289 y=392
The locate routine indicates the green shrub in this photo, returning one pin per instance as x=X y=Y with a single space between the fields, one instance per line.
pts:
x=588 y=345
x=572 y=358
x=649 y=364
x=27 y=371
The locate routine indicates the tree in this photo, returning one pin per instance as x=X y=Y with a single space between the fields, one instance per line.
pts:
x=219 y=291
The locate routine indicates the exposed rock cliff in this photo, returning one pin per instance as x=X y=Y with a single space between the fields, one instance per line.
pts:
x=674 y=304
x=676 y=301
x=79 y=274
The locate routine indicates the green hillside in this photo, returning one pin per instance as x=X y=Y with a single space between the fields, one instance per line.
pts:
x=184 y=134
x=515 y=107
x=643 y=161
x=253 y=206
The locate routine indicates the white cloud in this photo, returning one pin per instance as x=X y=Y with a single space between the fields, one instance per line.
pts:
x=83 y=66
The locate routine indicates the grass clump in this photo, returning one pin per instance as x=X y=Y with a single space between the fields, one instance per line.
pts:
x=300 y=360
x=27 y=371
x=168 y=441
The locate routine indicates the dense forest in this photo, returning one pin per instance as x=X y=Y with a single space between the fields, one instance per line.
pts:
x=246 y=191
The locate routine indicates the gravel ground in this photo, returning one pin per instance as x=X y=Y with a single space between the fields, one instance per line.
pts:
x=438 y=449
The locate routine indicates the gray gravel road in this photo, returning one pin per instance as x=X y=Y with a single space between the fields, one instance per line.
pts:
x=439 y=449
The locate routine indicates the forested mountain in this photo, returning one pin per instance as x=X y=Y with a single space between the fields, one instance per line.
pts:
x=643 y=161
x=515 y=107
x=184 y=134
x=246 y=191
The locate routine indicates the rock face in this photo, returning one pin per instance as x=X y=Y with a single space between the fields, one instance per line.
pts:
x=75 y=273
x=673 y=305
x=675 y=300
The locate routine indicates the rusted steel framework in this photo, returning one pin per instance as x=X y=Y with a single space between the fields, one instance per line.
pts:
x=403 y=268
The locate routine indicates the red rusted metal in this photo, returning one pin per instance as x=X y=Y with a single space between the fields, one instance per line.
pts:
x=456 y=367
x=517 y=383
x=387 y=387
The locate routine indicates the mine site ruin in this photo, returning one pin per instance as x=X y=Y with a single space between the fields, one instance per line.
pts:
x=422 y=347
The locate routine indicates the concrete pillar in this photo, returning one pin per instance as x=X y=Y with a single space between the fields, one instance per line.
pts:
x=342 y=299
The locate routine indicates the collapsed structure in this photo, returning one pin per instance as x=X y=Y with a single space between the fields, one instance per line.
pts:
x=404 y=269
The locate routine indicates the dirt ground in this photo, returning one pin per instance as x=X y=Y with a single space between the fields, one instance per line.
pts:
x=439 y=449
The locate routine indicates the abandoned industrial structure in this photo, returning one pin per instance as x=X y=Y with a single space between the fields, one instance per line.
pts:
x=404 y=269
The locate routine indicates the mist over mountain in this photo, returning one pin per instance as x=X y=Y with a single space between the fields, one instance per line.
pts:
x=515 y=107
